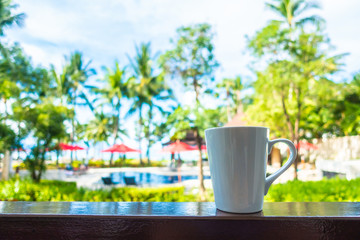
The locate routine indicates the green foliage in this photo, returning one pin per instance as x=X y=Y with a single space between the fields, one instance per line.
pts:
x=187 y=118
x=292 y=11
x=192 y=57
x=232 y=88
x=98 y=129
x=347 y=109
x=294 y=88
x=332 y=190
x=270 y=39
x=9 y=89
x=7 y=138
x=46 y=120
x=46 y=123
x=135 y=163
x=26 y=190
x=115 y=90
x=96 y=163
x=7 y=18
x=146 y=89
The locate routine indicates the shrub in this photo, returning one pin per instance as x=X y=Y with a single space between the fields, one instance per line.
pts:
x=333 y=190
x=48 y=190
x=327 y=190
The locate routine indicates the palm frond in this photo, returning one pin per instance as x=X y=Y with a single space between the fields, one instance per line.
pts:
x=88 y=103
x=298 y=10
x=311 y=19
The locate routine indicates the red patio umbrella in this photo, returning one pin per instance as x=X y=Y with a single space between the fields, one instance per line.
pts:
x=306 y=145
x=64 y=146
x=120 y=148
x=76 y=147
x=203 y=147
x=178 y=147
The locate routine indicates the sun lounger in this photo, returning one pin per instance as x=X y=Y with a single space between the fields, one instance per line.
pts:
x=107 y=181
x=130 y=181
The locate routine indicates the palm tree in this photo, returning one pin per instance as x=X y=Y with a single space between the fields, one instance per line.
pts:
x=63 y=86
x=146 y=88
x=142 y=67
x=7 y=19
x=71 y=85
x=114 y=92
x=97 y=130
x=293 y=14
x=136 y=92
x=78 y=72
x=292 y=11
x=158 y=92
x=233 y=89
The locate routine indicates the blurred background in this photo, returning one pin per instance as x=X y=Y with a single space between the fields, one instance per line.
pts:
x=120 y=92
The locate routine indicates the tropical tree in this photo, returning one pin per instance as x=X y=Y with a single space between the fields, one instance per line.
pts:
x=293 y=12
x=63 y=86
x=298 y=61
x=71 y=83
x=114 y=92
x=7 y=138
x=17 y=76
x=192 y=60
x=45 y=121
x=197 y=120
x=21 y=84
x=232 y=88
x=347 y=109
x=7 y=18
x=158 y=93
x=98 y=129
x=146 y=89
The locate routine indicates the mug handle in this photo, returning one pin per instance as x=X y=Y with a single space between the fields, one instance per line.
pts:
x=270 y=179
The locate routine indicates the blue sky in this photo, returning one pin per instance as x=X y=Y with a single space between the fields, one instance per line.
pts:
x=107 y=30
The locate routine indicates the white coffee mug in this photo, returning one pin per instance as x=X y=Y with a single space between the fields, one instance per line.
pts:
x=237 y=159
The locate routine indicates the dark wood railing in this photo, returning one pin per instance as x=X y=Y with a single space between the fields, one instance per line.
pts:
x=153 y=220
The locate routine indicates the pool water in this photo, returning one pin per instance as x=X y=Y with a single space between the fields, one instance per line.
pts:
x=150 y=178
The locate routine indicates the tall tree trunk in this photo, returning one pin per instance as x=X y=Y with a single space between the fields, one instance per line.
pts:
x=288 y=120
x=228 y=107
x=73 y=128
x=5 y=110
x=178 y=161
x=6 y=166
x=200 y=165
x=198 y=141
x=290 y=128
x=72 y=139
x=297 y=129
x=140 y=129
x=18 y=140
x=149 y=135
x=240 y=107
x=57 y=157
x=115 y=130
x=41 y=165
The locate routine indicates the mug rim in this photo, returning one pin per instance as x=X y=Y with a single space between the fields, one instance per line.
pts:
x=218 y=128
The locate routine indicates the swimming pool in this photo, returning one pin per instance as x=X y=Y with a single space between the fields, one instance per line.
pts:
x=150 y=178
